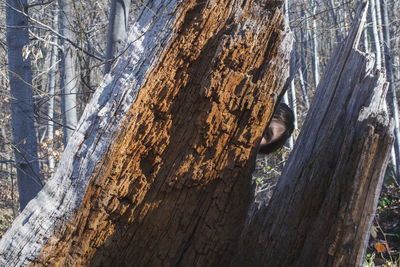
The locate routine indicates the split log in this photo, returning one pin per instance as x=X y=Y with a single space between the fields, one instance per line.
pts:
x=158 y=171
x=322 y=209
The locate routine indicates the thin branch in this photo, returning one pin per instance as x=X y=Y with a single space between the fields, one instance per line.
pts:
x=46 y=27
x=40 y=4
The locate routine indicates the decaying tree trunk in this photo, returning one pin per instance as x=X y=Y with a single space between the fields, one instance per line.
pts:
x=157 y=172
x=322 y=209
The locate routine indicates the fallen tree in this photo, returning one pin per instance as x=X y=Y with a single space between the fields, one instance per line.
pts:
x=158 y=171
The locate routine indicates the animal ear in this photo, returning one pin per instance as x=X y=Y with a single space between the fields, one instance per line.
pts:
x=274 y=137
x=276 y=130
x=279 y=129
x=263 y=142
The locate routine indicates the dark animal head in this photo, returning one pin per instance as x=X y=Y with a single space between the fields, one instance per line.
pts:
x=278 y=130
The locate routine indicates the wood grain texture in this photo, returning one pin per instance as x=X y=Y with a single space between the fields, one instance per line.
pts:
x=322 y=209
x=158 y=172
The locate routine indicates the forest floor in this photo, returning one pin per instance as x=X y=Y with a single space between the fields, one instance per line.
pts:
x=8 y=204
x=386 y=226
x=385 y=230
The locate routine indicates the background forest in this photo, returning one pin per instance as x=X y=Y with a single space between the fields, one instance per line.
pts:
x=67 y=48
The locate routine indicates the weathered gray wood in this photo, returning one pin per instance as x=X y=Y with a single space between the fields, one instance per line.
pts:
x=64 y=192
x=324 y=203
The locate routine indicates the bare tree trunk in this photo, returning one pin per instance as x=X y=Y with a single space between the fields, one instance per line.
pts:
x=375 y=34
x=293 y=102
x=158 y=172
x=69 y=82
x=380 y=31
x=392 y=98
x=285 y=99
x=346 y=21
x=117 y=30
x=338 y=32
x=22 y=117
x=51 y=91
x=292 y=90
x=303 y=88
x=322 y=209
x=315 y=56
x=304 y=39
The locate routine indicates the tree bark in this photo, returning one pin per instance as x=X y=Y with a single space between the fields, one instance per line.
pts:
x=378 y=14
x=375 y=34
x=292 y=90
x=322 y=209
x=158 y=171
x=22 y=114
x=315 y=54
x=338 y=32
x=392 y=98
x=117 y=30
x=303 y=88
x=69 y=79
x=51 y=91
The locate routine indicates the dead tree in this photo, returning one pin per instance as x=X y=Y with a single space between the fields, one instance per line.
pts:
x=158 y=170
x=322 y=209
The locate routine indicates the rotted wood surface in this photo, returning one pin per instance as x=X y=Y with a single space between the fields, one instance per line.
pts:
x=322 y=209
x=158 y=171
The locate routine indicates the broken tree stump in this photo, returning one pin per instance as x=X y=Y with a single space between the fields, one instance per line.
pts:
x=322 y=209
